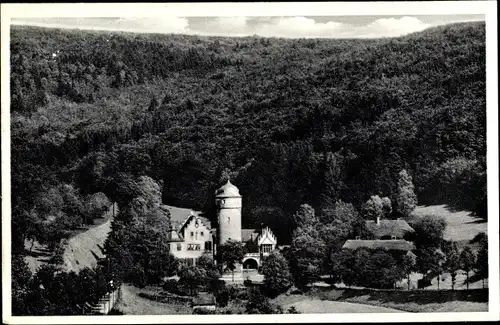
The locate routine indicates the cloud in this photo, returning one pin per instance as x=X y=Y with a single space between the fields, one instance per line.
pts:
x=307 y=27
x=303 y=27
x=299 y=27
x=391 y=27
x=166 y=24
x=289 y=27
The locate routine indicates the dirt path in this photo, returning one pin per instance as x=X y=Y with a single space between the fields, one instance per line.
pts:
x=82 y=249
x=316 y=306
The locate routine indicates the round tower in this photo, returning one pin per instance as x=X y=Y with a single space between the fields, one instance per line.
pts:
x=228 y=203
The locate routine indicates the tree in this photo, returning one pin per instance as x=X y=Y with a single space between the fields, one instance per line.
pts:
x=192 y=277
x=95 y=206
x=307 y=253
x=382 y=270
x=406 y=197
x=206 y=263
x=277 y=277
x=21 y=280
x=342 y=266
x=386 y=206
x=304 y=216
x=481 y=266
x=231 y=253
x=453 y=263
x=429 y=231
x=162 y=264
x=260 y=304
x=408 y=265
x=467 y=261
x=138 y=276
x=373 y=209
x=332 y=179
x=430 y=261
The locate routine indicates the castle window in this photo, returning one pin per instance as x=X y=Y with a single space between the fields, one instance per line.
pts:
x=208 y=245
x=202 y=234
x=267 y=248
x=192 y=234
x=179 y=247
x=194 y=247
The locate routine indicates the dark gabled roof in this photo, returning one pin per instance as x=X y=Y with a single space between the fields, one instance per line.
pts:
x=204 y=299
x=179 y=216
x=173 y=236
x=396 y=228
x=249 y=235
x=390 y=244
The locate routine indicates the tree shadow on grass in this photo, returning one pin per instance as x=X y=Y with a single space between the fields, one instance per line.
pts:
x=420 y=296
x=478 y=221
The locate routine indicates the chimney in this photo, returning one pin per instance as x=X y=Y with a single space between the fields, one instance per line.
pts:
x=378 y=220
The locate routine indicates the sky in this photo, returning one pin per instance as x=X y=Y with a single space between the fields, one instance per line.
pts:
x=268 y=26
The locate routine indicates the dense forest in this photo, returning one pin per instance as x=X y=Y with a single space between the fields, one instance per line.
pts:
x=290 y=121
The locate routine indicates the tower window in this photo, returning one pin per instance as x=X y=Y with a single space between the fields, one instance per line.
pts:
x=192 y=234
x=179 y=247
x=202 y=234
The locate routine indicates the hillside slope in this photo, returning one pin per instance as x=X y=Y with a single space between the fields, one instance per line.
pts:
x=86 y=248
x=83 y=249
x=289 y=120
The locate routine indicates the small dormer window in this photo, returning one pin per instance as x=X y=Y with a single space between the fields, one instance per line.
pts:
x=358 y=237
x=393 y=237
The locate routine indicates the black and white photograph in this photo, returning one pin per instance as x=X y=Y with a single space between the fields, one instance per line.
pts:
x=184 y=163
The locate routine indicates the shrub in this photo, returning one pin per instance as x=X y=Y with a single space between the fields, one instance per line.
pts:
x=204 y=311
x=115 y=311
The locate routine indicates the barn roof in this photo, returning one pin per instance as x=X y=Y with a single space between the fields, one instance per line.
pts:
x=204 y=299
x=396 y=228
x=390 y=244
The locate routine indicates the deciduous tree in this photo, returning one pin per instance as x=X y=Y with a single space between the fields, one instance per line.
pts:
x=467 y=261
x=277 y=276
x=231 y=254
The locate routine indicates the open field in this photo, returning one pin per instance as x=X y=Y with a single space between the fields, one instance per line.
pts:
x=132 y=304
x=310 y=305
x=461 y=225
x=380 y=301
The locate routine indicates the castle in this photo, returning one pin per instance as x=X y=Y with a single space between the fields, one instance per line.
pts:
x=195 y=236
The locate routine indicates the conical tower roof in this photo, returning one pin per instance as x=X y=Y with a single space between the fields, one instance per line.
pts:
x=228 y=190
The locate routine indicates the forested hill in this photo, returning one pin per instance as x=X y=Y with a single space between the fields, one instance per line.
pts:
x=291 y=121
